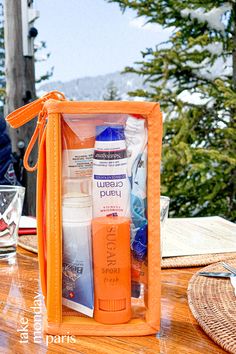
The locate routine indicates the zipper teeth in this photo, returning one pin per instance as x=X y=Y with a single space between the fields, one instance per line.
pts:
x=144 y=113
x=68 y=312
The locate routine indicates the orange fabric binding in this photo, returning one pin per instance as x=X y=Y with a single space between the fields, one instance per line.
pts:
x=26 y=113
x=48 y=132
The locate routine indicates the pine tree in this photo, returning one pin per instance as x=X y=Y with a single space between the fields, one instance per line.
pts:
x=41 y=55
x=112 y=93
x=193 y=76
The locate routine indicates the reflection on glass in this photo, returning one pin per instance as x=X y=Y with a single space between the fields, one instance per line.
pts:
x=11 y=202
x=164 y=209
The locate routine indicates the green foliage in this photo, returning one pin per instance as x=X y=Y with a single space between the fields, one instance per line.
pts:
x=112 y=93
x=39 y=48
x=192 y=77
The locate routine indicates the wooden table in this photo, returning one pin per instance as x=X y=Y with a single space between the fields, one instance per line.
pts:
x=179 y=331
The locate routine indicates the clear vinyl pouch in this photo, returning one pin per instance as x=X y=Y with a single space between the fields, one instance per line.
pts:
x=98 y=213
x=104 y=216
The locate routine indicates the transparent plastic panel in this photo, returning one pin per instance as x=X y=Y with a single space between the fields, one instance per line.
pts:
x=104 y=216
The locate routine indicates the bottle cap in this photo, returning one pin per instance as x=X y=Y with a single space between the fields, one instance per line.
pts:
x=110 y=133
x=77 y=185
x=77 y=200
x=76 y=208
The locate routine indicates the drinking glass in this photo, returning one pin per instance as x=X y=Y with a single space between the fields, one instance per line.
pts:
x=11 y=203
x=164 y=209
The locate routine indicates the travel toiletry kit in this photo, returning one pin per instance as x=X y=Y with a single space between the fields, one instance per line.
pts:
x=98 y=213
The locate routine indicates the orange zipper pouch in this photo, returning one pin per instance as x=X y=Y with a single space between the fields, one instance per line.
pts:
x=98 y=213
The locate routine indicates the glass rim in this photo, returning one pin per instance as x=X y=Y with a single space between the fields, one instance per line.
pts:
x=6 y=188
x=164 y=197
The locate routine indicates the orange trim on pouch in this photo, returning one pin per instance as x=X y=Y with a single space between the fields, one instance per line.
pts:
x=48 y=132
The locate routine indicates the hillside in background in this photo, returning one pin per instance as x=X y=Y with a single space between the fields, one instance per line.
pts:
x=94 y=88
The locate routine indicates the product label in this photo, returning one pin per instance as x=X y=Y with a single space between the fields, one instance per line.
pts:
x=77 y=277
x=111 y=186
x=77 y=163
x=109 y=155
x=111 y=271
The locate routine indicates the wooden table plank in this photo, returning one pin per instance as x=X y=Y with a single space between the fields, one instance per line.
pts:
x=179 y=331
x=194 y=236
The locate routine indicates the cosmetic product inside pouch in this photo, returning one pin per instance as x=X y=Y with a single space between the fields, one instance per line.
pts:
x=85 y=212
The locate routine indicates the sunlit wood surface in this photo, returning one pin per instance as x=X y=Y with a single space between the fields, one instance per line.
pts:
x=179 y=333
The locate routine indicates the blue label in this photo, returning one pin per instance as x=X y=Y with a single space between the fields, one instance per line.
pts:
x=102 y=177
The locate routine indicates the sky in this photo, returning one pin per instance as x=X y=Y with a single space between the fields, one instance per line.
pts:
x=91 y=37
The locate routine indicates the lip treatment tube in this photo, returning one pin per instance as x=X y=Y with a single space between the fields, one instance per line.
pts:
x=112 y=269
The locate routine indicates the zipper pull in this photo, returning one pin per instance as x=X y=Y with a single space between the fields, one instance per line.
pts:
x=26 y=113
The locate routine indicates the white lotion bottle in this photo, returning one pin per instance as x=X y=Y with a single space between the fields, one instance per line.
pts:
x=111 y=187
x=77 y=272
